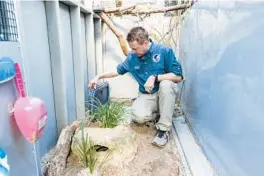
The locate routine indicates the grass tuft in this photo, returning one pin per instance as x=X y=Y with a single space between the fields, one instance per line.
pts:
x=109 y=115
x=86 y=152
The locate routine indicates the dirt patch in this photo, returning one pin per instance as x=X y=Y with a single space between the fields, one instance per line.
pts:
x=147 y=160
x=151 y=160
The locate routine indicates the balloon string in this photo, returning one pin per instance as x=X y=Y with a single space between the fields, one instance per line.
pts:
x=35 y=156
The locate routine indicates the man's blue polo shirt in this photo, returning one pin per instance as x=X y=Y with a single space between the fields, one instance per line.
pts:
x=158 y=60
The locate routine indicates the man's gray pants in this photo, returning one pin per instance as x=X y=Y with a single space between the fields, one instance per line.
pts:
x=147 y=106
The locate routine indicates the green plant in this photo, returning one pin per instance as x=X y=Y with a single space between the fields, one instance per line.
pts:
x=86 y=151
x=109 y=115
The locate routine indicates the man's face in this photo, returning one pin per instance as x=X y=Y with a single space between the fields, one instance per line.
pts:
x=139 y=49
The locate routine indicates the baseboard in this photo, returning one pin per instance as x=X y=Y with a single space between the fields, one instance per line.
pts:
x=194 y=162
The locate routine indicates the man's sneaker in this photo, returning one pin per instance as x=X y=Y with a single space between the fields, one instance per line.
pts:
x=161 y=138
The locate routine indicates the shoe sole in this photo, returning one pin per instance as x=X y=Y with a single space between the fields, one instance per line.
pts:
x=161 y=146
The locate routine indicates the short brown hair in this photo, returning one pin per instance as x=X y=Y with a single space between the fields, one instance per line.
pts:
x=138 y=34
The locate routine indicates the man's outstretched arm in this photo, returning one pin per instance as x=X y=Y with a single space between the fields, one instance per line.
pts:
x=121 y=69
x=107 y=75
x=93 y=82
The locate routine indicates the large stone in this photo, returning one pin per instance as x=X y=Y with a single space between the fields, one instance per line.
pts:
x=79 y=171
x=120 y=141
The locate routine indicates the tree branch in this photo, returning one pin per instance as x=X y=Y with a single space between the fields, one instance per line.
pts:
x=119 y=9
x=133 y=10
x=167 y=9
x=118 y=34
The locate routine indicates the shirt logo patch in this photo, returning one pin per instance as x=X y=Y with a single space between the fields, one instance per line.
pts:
x=137 y=67
x=156 y=58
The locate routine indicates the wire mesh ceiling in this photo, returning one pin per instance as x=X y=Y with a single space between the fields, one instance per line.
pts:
x=8 y=25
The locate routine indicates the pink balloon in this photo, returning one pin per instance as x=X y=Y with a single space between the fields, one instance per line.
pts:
x=31 y=117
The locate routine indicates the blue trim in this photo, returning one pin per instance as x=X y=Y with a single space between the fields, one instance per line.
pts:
x=3 y=171
x=7 y=69
x=2 y=153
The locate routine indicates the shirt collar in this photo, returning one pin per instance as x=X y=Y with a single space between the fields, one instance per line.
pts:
x=148 y=53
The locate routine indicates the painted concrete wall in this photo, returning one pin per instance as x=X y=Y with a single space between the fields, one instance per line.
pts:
x=18 y=149
x=222 y=53
x=52 y=54
x=84 y=56
x=36 y=59
x=91 y=57
x=67 y=57
x=125 y=86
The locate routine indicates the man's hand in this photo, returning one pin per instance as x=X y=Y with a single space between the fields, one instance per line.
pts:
x=93 y=82
x=149 y=85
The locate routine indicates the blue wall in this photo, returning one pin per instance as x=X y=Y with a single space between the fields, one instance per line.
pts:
x=52 y=61
x=37 y=66
x=19 y=150
x=222 y=53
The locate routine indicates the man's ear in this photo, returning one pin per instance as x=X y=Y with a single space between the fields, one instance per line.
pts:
x=146 y=42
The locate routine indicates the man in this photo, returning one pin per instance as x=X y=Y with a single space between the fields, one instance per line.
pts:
x=155 y=68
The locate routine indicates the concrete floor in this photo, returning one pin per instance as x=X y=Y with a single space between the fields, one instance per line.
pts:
x=194 y=161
